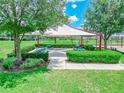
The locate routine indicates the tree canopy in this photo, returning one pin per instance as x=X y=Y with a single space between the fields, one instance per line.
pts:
x=105 y=16
x=28 y=15
x=21 y=16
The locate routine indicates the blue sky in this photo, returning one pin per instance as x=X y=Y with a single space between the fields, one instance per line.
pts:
x=75 y=9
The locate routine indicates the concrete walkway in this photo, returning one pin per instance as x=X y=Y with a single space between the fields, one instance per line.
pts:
x=119 y=48
x=58 y=61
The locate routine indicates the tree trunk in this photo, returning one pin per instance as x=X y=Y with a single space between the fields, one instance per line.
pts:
x=17 y=49
x=105 y=43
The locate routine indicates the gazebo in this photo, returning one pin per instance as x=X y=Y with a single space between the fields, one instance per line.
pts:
x=68 y=31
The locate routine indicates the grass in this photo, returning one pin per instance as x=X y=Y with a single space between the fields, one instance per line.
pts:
x=58 y=81
x=7 y=47
x=61 y=81
x=91 y=40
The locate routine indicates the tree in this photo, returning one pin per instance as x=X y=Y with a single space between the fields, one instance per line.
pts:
x=105 y=16
x=21 y=16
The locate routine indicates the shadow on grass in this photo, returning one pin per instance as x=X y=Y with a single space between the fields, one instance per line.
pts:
x=12 y=79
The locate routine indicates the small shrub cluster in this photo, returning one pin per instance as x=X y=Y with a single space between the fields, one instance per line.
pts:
x=104 y=56
x=86 y=46
x=43 y=56
x=57 y=45
x=27 y=49
x=26 y=55
x=24 y=50
x=29 y=59
x=89 y=47
x=31 y=63
x=9 y=63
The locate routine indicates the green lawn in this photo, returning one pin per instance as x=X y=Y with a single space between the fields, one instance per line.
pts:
x=85 y=41
x=68 y=41
x=7 y=47
x=58 y=81
x=65 y=81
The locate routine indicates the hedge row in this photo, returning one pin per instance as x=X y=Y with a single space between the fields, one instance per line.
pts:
x=104 y=56
x=43 y=56
x=26 y=55
x=89 y=47
x=86 y=46
x=57 y=45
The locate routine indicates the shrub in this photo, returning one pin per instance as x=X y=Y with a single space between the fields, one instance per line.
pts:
x=104 y=56
x=32 y=63
x=89 y=47
x=27 y=49
x=57 y=45
x=12 y=54
x=9 y=63
x=24 y=50
x=43 y=56
x=26 y=55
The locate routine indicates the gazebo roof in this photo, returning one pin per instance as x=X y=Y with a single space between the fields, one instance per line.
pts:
x=63 y=31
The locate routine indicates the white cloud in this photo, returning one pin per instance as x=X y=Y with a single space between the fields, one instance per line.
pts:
x=85 y=20
x=64 y=9
x=73 y=19
x=74 y=6
x=74 y=0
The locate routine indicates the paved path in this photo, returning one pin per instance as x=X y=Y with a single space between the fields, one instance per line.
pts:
x=58 y=52
x=119 y=48
x=58 y=61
